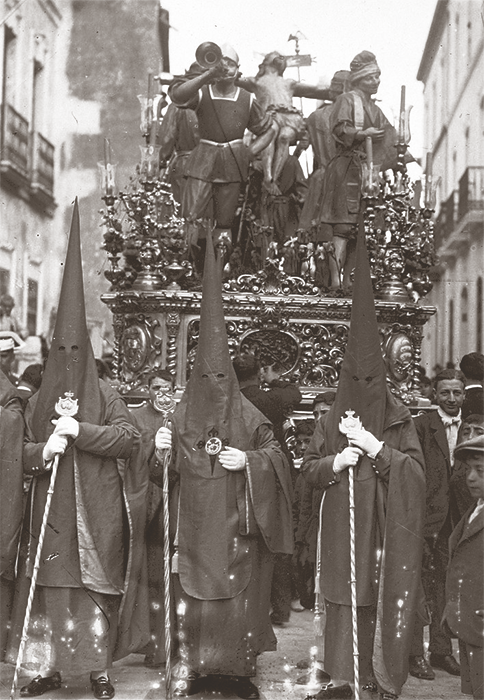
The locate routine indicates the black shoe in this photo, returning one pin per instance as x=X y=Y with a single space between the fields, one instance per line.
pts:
x=335 y=691
x=102 y=688
x=370 y=687
x=150 y=661
x=277 y=621
x=39 y=685
x=244 y=688
x=446 y=662
x=189 y=685
x=313 y=677
x=419 y=668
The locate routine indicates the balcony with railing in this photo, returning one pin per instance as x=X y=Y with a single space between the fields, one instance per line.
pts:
x=42 y=183
x=446 y=219
x=27 y=160
x=14 y=161
x=471 y=193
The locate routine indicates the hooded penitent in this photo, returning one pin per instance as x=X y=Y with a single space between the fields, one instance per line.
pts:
x=213 y=557
x=70 y=373
x=97 y=515
x=388 y=514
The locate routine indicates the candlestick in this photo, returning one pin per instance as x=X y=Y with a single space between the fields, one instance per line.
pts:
x=369 y=151
x=428 y=182
x=107 y=152
x=401 y=123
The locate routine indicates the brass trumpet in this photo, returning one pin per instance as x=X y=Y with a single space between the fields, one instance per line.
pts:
x=208 y=54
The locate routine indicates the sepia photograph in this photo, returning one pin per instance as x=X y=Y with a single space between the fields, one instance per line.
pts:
x=241 y=349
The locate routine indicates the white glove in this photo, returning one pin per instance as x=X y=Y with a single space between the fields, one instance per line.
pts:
x=364 y=440
x=55 y=445
x=66 y=425
x=232 y=459
x=348 y=458
x=163 y=439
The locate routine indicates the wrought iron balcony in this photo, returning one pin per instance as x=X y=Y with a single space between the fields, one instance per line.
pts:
x=42 y=184
x=471 y=191
x=446 y=219
x=14 y=163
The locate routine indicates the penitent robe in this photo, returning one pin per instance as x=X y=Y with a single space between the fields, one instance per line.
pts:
x=229 y=525
x=92 y=577
x=11 y=476
x=389 y=512
x=148 y=421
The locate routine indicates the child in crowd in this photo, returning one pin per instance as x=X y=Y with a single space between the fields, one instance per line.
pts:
x=464 y=610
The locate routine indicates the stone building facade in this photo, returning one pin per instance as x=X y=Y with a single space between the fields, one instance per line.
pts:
x=452 y=70
x=70 y=76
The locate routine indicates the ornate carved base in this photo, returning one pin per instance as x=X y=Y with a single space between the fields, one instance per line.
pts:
x=306 y=333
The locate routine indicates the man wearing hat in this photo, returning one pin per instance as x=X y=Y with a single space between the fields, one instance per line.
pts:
x=472 y=365
x=218 y=166
x=10 y=342
x=354 y=117
x=464 y=610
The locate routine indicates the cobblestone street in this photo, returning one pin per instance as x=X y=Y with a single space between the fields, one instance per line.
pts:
x=276 y=675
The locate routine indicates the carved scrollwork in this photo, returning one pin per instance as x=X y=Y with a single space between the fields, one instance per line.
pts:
x=172 y=326
x=135 y=347
x=272 y=346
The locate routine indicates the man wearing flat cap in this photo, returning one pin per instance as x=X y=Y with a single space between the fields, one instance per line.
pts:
x=472 y=365
x=464 y=610
x=10 y=342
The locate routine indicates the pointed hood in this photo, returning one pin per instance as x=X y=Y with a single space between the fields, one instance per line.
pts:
x=362 y=381
x=212 y=402
x=212 y=414
x=70 y=366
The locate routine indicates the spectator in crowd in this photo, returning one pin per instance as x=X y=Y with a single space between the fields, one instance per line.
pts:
x=472 y=366
x=323 y=402
x=306 y=508
x=464 y=610
x=30 y=381
x=438 y=432
x=10 y=342
x=8 y=318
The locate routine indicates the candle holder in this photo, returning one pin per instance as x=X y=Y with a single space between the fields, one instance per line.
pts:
x=150 y=162
x=107 y=175
x=370 y=180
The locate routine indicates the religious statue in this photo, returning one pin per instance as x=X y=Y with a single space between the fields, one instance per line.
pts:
x=275 y=93
x=355 y=117
x=218 y=166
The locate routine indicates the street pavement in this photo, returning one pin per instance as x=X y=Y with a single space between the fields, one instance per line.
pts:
x=276 y=676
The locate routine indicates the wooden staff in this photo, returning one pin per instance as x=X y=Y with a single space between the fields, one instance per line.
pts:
x=354 y=609
x=166 y=571
x=166 y=411
x=24 y=637
x=346 y=423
